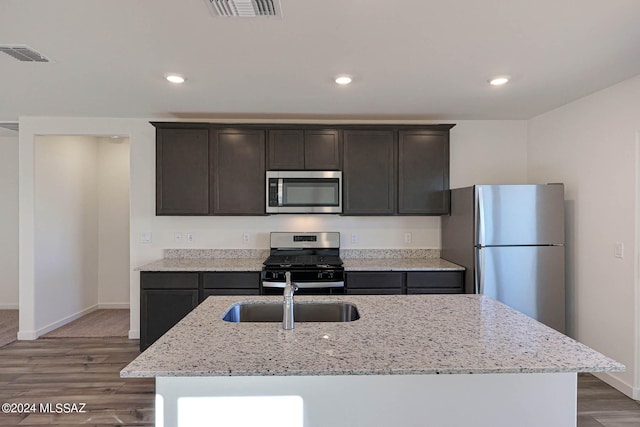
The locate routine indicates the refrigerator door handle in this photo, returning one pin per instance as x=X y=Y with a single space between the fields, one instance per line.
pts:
x=480 y=271
x=480 y=217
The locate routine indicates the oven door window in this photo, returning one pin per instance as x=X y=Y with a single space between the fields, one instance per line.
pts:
x=311 y=192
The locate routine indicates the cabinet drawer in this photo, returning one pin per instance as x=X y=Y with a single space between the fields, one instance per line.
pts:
x=168 y=280
x=375 y=279
x=232 y=280
x=237 y=291
x=375 y=291
x=421 y=291
x=435 y=279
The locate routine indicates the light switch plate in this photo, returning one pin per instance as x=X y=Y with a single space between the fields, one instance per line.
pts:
x=146 y=237
x=618 y=250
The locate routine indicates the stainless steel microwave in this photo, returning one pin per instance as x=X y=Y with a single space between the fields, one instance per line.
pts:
x=304 y=192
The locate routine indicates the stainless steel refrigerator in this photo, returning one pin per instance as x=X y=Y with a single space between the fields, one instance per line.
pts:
x=510 y=238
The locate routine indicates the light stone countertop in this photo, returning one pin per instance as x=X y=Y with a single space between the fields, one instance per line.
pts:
x=255 y=264
x=204 y=264
x=395 y=264
x=395 y=335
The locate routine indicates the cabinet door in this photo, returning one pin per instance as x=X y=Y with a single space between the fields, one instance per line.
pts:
x=423 y=174
x=182 y=171
x=286 y=149
x=238 y=176
x=322 y=149
x=369 y=174
x=161 y=309
x=165 y=298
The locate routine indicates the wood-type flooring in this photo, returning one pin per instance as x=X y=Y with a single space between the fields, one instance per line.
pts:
x=86 y=370
x=74 y=371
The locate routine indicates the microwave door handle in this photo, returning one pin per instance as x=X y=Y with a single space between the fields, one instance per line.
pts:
x=280 y=191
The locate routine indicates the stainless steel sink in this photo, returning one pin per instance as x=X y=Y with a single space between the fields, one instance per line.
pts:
x=302 y=312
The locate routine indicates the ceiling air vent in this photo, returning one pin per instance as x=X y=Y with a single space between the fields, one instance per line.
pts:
x=245 y=8
x=9 y=125
x=24 y=53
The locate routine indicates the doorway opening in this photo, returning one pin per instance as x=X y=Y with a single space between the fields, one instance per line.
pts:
x=81 y=234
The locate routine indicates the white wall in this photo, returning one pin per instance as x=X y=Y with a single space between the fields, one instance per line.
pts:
x=113 y=222
x=226 y=232
x=9 y=222
x=66 y=225
x=591 y=146
x=74 y=228
x=488 y=152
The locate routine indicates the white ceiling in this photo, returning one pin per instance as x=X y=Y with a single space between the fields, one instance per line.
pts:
x=412 y=59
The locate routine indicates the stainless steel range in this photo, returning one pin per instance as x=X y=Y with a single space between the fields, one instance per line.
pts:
x=313 y=260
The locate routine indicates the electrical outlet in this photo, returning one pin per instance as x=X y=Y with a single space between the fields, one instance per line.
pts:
x=245 y=238
x=177 y=237
x=354 y=238
x=189 y=237
x=618 y=250
x=407 y=237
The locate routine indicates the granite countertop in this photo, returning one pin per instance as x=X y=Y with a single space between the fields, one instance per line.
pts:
x=204 y=264
x=395 y=335
x=396 y=264
x=252 y=259
x=255 y=264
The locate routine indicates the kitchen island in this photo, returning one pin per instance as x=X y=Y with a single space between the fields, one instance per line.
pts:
x=411 y=360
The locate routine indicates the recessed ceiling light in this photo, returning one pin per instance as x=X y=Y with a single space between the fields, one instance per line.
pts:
x=499 y=81
x=343 y=79
x=175 y=78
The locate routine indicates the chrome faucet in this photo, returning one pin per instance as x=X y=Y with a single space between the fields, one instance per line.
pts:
x=287 y=313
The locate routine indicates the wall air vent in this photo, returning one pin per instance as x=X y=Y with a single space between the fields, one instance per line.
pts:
x=245 y=8
x=24 y=53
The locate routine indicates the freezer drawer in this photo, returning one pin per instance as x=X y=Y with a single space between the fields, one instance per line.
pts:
x=529 y=279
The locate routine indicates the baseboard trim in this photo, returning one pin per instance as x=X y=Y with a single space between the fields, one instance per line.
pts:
x=618 y=384
x=9 y=306
x=27 y=335
x=113 y=305
x=55 y=325
x=134 y=334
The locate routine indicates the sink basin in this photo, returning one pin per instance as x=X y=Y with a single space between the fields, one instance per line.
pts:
x=302 y=312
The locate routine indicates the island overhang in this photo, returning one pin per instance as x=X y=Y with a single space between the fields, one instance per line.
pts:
x=410 y=360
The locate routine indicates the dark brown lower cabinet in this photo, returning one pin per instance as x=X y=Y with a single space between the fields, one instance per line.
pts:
x=165 y=298
x=401 y=282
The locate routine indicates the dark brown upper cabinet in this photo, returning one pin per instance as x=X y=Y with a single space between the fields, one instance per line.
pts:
x=219 y=169
x=182 y=171
x=310 y=149
x=423 y=172
x=369 y=172
x=237 y=158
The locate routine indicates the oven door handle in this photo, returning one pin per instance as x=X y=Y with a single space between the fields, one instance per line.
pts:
x=304 y=285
